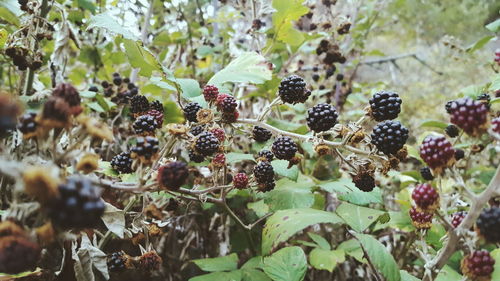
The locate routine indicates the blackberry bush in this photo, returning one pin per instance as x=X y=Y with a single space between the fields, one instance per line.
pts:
x=389 y=136
x=321 y=117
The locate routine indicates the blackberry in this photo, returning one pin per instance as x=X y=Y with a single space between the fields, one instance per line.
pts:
x=28 y=124
x=265 y=155
x=139 y=104
x=158 y=115
x=145 y=125
x=421 y=220
x=67 y=92
x=426 y=174
x=470 y=115
x=495 y=125
x=261 y=134
x=210 y=93
x=315 y=77
x=452 y=131
x=117 y=80
x=117 y=261
x=173 y=175
x=321 y=117
x=219 y=160
x=284 y=148
x=206 y=144
x=55 y=113
x=459 y=154
x=340 y=77
x=122 y=163
x=266 y=186
x=230 y=117
x=94 y=89
x=157 y=105
x=389 y=136
x=195 y=157
x=292 y=89
x=488 y=224
x=105 y=84
x=240 y=181
x=219 y=133
x=385 y=106
x=478 y=265
x=447 y=106
x=79 y=204
x=263 y=172
x=437 y=152
x=426 y=197
x=196 y=130
x=150 y=261
x=364 y=181
x=226 y=103
x=145 y=148
x=457 y=218
x=190 y=111
x=18 y=254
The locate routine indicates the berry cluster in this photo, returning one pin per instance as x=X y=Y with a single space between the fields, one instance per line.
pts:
x=389 y=136
x=437 y=152
x=120 y=90
x=477 y=265
x=470 y=115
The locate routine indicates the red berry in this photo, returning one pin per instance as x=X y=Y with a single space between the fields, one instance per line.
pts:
x=219 y=160
x=469 y=114
x=457 y=218
x=240 y=181
x=437 y=152
x=495 y=125
x=477 y=264
x=219 y=133
x=426 y=197
x=210 y=92
x=421 y=220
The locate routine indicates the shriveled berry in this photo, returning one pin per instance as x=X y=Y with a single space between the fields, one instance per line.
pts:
x=150 y=261
x=240 y=181
x=292 y=89
x=389 y=136
x=173 y=175
x=190 y=111
x=437 y=152
x=364 y=181
x=385 y=106
x=261 y=134
x=426 y=197
x=284 y=148
x=321 y=117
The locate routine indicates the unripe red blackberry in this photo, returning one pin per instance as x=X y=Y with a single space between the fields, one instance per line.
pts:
x=210 y=93
x=284 y=148
x=265 y=155
x=117 y=261
x=226 y=103
x=28 y=124
x=478 y=265
x=263 y=172
x=17 y=254
x=157 y=115
x=495 y=125
x=459 y=154
x=240 y=181
x=437 y=152
x=139 y=104
x=79 y=204
x=219 y=133
x=145 y=148
x=145 y=125
x=364 y=181
x=488 y=224
x=421 y=220
x=261 y=134
x=292 y=89
x=173 y=175
x=385 y=106
x=195 y=157
x=206 y=144
x=470 y=115
x=426 y=197
x=457 y=218
x=219 y=160
x=321 y=117
x=122 y=163
x=157 y=105
x=426 y=174
x=190 y=111
x=452 y=131
x=389 y=136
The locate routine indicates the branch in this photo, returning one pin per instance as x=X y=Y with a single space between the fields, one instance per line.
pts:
x=393 y=59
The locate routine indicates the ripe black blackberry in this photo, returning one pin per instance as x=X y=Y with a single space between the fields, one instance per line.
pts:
x=488 y=224
x=457 y=218
x=321 y=117
x=117 y=261
x=79 y=204
x=157 y=105
x=385 y=106
x=226 y=103
x=447 y=106
x=145 y=125
x=263 y=172
x=105 y=84
x=426 y=173
x=437 y=152
x=265 y=155
x=173 y=175
x=459 y=154
x=117 y=80
x=206 y=144
x=470 y=115
x=94 y=89
x=284 y=148
x=122 y=163
x=139 y=104
x=452 y=131
x=196 y=130
x=364 y=181
x=478 y=265
x=292 y=89
x=389 y=136
x=27 y=124
x=145 y=148
x=315 y=77
x=195 y=157
x=190 y=111
x=261 y=134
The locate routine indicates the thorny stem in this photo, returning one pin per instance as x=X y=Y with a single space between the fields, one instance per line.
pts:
x=268 y=108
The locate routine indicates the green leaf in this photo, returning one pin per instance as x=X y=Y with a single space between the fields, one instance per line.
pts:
x=173 y=114
x=281 y=168
x=12 y=6
x=325 y=259
x=286 y=12
x=8 y=16
x=249 y=67
x=349 y=192
x=260 y=208
x=255 y=262
x=352 y=248
x=448 y=274
x=107 y=22
x=233 y=157
x=157 y=81
x=140 y=57
x=434 y=124
x=86 y=4
x=289 y=198
x=380 y=257
x=287 y=264
x=495 y=86
x=285 y=223
x=494 y=26
x=190 y=87
x=95 y=106
x=219 y=276
x=322 y=243
x=218 y=264
x=357 y=217
x=495 y=254
x=405 y=276
x=254 y=275
x=480 y=43
x=3 y=37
